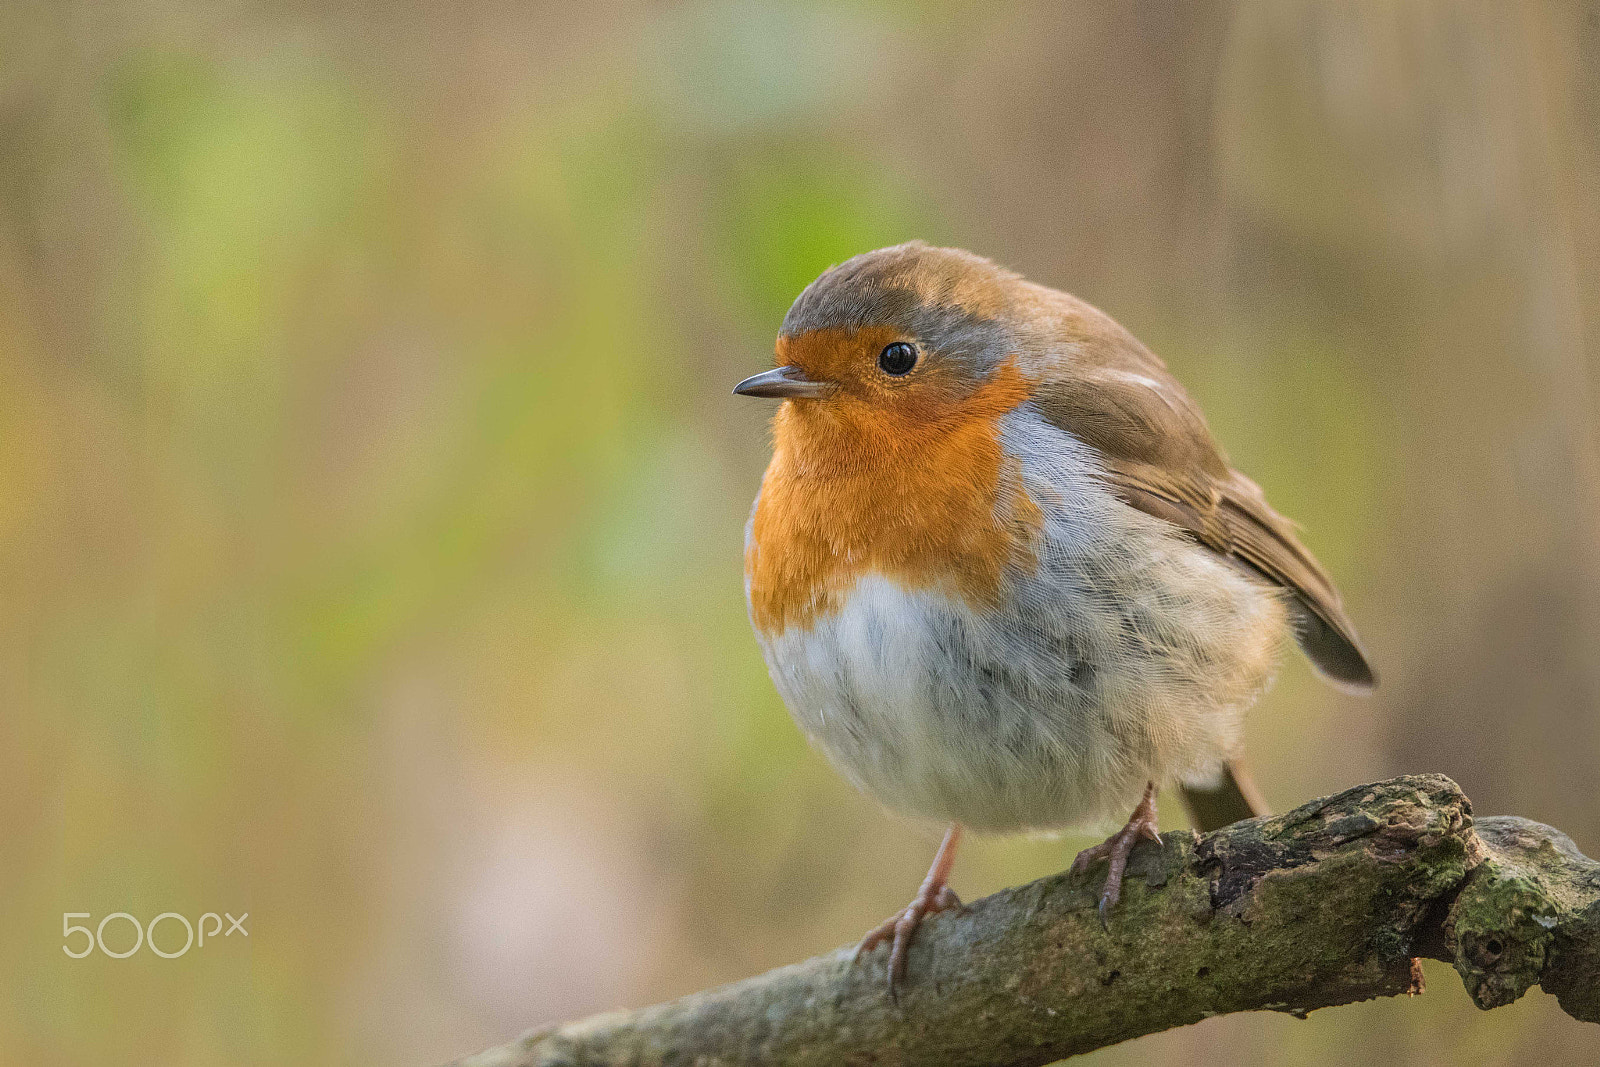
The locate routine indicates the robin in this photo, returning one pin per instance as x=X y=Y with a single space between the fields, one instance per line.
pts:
x=1002 y=574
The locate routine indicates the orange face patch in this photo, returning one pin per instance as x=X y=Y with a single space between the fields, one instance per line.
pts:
x=903 y=477
x=867 y=398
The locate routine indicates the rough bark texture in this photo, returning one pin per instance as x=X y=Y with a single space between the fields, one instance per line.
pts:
x=1327 y=904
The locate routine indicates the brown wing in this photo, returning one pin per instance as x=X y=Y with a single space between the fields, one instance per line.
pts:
x=1113 y=393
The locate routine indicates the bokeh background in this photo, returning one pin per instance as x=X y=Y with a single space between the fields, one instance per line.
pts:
x=372 y=497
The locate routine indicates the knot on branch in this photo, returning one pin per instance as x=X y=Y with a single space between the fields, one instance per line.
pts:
x=1526 y=916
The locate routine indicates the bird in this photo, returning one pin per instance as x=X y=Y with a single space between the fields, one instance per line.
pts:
x=1002 y=574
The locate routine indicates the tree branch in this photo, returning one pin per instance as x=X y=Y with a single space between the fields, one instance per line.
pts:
x=1327 y=904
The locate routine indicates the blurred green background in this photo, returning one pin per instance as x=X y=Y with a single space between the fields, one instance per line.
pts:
x=372 y=497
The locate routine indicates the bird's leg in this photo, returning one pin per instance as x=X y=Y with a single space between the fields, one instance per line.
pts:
x=1118 y=847
x=934 y=896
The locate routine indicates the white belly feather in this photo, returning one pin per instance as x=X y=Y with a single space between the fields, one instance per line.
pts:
x=1128 y=654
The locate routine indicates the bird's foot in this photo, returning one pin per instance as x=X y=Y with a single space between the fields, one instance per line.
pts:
x=902 y=926
x=1118 y=847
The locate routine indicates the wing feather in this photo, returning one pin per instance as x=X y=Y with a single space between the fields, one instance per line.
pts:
x=1111 y=392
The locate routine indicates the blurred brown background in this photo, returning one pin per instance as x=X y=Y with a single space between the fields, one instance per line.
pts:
x=372 y=498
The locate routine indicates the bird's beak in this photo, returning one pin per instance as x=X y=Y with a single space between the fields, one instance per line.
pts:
x=786 y=381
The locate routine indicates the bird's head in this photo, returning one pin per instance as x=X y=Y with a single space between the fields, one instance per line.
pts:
x=897 y=343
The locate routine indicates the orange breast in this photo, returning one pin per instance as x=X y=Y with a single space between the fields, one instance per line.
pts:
x=926 y=502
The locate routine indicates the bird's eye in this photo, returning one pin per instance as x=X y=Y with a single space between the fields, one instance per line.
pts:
x=897 y=359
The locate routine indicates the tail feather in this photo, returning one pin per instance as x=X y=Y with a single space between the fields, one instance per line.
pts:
x=1233 y=797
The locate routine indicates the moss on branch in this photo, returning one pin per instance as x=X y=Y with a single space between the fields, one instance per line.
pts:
x=1327 y=904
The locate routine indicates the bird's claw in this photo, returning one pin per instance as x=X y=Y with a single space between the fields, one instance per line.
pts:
x=900 y=927
x=1116 y=849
